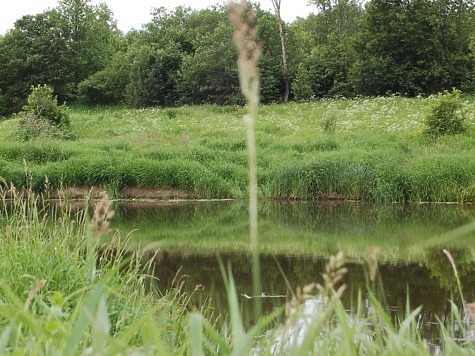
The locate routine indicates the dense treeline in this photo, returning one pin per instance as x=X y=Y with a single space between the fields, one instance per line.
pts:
x=187 y=57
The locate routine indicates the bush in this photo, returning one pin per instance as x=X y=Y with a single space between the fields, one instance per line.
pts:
x=446 y=116
x=43 y=117
x=108 y=86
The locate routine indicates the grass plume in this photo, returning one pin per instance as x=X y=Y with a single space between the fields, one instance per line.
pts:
x=245 y=37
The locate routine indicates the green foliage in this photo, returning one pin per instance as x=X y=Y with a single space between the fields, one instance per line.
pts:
x=329 y=123
x=55 y=299
x=272 y=86
x=29 y=55
x=43 y=103
x=153 y=77
x=180 y=57
x=446 y=116
x=42 y=117
x=91 y=34
x=321 y=67
x=433 y=51
x=108 y=86
x=36 y=152
x=59 y=47
x=209 y=74
x=302 y=85
x=375 y=153
x=324 y=179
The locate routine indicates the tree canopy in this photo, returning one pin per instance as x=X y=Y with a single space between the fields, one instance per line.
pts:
x=186 y=56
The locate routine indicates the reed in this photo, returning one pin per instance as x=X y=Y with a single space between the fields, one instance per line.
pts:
x=245 y=37
x=61 y=295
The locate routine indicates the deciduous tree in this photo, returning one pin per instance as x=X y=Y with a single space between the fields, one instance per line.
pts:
x=277 y=7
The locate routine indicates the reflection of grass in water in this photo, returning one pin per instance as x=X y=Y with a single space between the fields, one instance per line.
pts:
x=402 y=231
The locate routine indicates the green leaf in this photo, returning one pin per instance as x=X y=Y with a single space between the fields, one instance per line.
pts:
x=196 y=334
x=84 y=320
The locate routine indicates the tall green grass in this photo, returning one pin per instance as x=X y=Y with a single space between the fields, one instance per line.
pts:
x=377 y=177
x=62 y=292
x=376 y=152
x=66 y=290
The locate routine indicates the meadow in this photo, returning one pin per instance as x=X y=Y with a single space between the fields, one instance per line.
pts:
x=370 y=149
x=73 y=287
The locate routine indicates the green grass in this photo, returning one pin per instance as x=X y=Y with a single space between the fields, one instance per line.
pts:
x=60 y=295
x=377 y=152
x=62 y=291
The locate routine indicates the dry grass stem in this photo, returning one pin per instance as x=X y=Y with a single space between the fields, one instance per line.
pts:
x=245 y=37
x=34 y=289
x=454 y=267
x=334 y=273
x=100 y=222
x=373 y=254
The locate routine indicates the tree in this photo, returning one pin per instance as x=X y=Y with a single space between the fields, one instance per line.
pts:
x=446 y=116
x=91 y=35
x=414 y=46
x=33 y=52
x=276 y=4
x=43 y=117
x=108 y=86
x=325 y=71
x=209 y=75
x=339 y=16
x=325 y=50
x=272 y=80
x=60 y=48
x=153 y=77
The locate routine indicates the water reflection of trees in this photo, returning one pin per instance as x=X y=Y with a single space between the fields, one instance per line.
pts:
x=442 y=270
x=399 y=282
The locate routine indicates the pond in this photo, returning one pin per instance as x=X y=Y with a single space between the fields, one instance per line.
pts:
x=297 y=238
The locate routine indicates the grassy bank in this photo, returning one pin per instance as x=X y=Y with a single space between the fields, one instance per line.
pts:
x=64 y=292
x=362 y=149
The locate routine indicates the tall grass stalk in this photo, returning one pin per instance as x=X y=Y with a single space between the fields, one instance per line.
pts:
x=66 y=291
x=456 y=274
x=245 y=36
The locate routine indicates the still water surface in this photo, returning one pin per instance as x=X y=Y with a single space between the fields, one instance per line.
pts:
x=299 y=237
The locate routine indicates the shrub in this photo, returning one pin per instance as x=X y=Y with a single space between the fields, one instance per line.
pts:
x=301 y=87
x=446 y=116
x=108 y=85
x=329 y=123
x=43 y=117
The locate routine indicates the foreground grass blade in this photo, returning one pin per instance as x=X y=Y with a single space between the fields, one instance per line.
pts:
x=84 y=320
x=196 y=333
